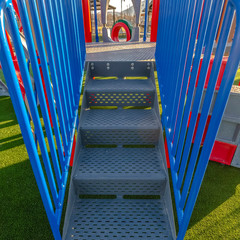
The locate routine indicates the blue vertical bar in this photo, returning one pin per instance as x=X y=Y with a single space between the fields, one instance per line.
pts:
x=207 y=101
x=63 y=24
x=175 y=100
x=30 y=96
x=218 y=111
x=53 y=13
x=146 y=22
x=43 y=59
x=58 y=65
x=95 y=18
x=19 y=107
x=186 y=72
x=36 y=72
x=59 y=100
x=193 y=77
x=210 y=33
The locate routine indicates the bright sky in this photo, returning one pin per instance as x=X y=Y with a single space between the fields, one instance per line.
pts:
x=117 y=4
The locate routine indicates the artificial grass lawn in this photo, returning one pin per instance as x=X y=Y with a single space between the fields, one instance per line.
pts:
x=22 y=215
x=237 y=78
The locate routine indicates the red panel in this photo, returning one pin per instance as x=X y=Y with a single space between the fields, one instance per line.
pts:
x=195 y=131
x=154 y=26
x=166 y=152
x=220 y=75
x=205 y=130
x=87 y=20
x=45 y=91
x=73 y=151
x=223 y=152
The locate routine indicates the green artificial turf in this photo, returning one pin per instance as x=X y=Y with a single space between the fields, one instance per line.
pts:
x=237 y=78
x=22 y=215
x=2 y=76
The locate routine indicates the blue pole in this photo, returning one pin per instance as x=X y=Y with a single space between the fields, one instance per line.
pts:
x=95 y=18
x=145 y=24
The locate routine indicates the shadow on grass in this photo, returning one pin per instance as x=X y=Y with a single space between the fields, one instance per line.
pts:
x=8 y=124
x=219 y=185
x=7 y=111
x=7 y=143
x=216 y=205
x=217 y=210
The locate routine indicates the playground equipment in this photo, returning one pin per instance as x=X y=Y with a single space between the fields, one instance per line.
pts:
x=104 y=6
x=122 y=172
x=154 y=25
x=136 y=29
x=145 y=22
x=121 y=24
x=179 y=31
x=87 y=20
x=119 y=187
x=115 y=31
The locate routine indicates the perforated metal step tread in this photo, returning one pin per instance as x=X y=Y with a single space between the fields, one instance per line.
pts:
x=120 y=85
x=120 y=93
x=119 y=219
x=120 y=119
x=119 y=171
x=120 y=127
x=119 y=163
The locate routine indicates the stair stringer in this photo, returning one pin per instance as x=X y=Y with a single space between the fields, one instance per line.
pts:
x=167 y=196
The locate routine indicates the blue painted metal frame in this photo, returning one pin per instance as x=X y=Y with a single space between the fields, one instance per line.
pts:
x=186 y=29
x=146 y=22
x=95 y=18
x=64 y=46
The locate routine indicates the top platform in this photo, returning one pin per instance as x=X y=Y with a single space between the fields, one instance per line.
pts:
x=121 y=51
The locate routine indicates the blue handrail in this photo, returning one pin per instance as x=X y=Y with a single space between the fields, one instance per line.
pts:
x=186 y=28
x=59 y=41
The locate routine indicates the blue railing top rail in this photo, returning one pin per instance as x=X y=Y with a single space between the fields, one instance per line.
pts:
x=186 y=34
x=59 y=38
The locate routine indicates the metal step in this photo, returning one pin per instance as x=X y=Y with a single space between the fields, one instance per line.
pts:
x=121 y=126
x=120 y=93
x=119 y=219
x=119 y=171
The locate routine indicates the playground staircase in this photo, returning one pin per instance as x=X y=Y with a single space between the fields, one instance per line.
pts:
x=119 y=184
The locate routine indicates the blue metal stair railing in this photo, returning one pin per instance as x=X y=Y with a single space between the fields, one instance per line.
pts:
x=64 y=47
x=186 y=33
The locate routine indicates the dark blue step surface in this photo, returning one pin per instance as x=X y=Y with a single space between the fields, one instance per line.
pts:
x=120 y=171
x=119 y=219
